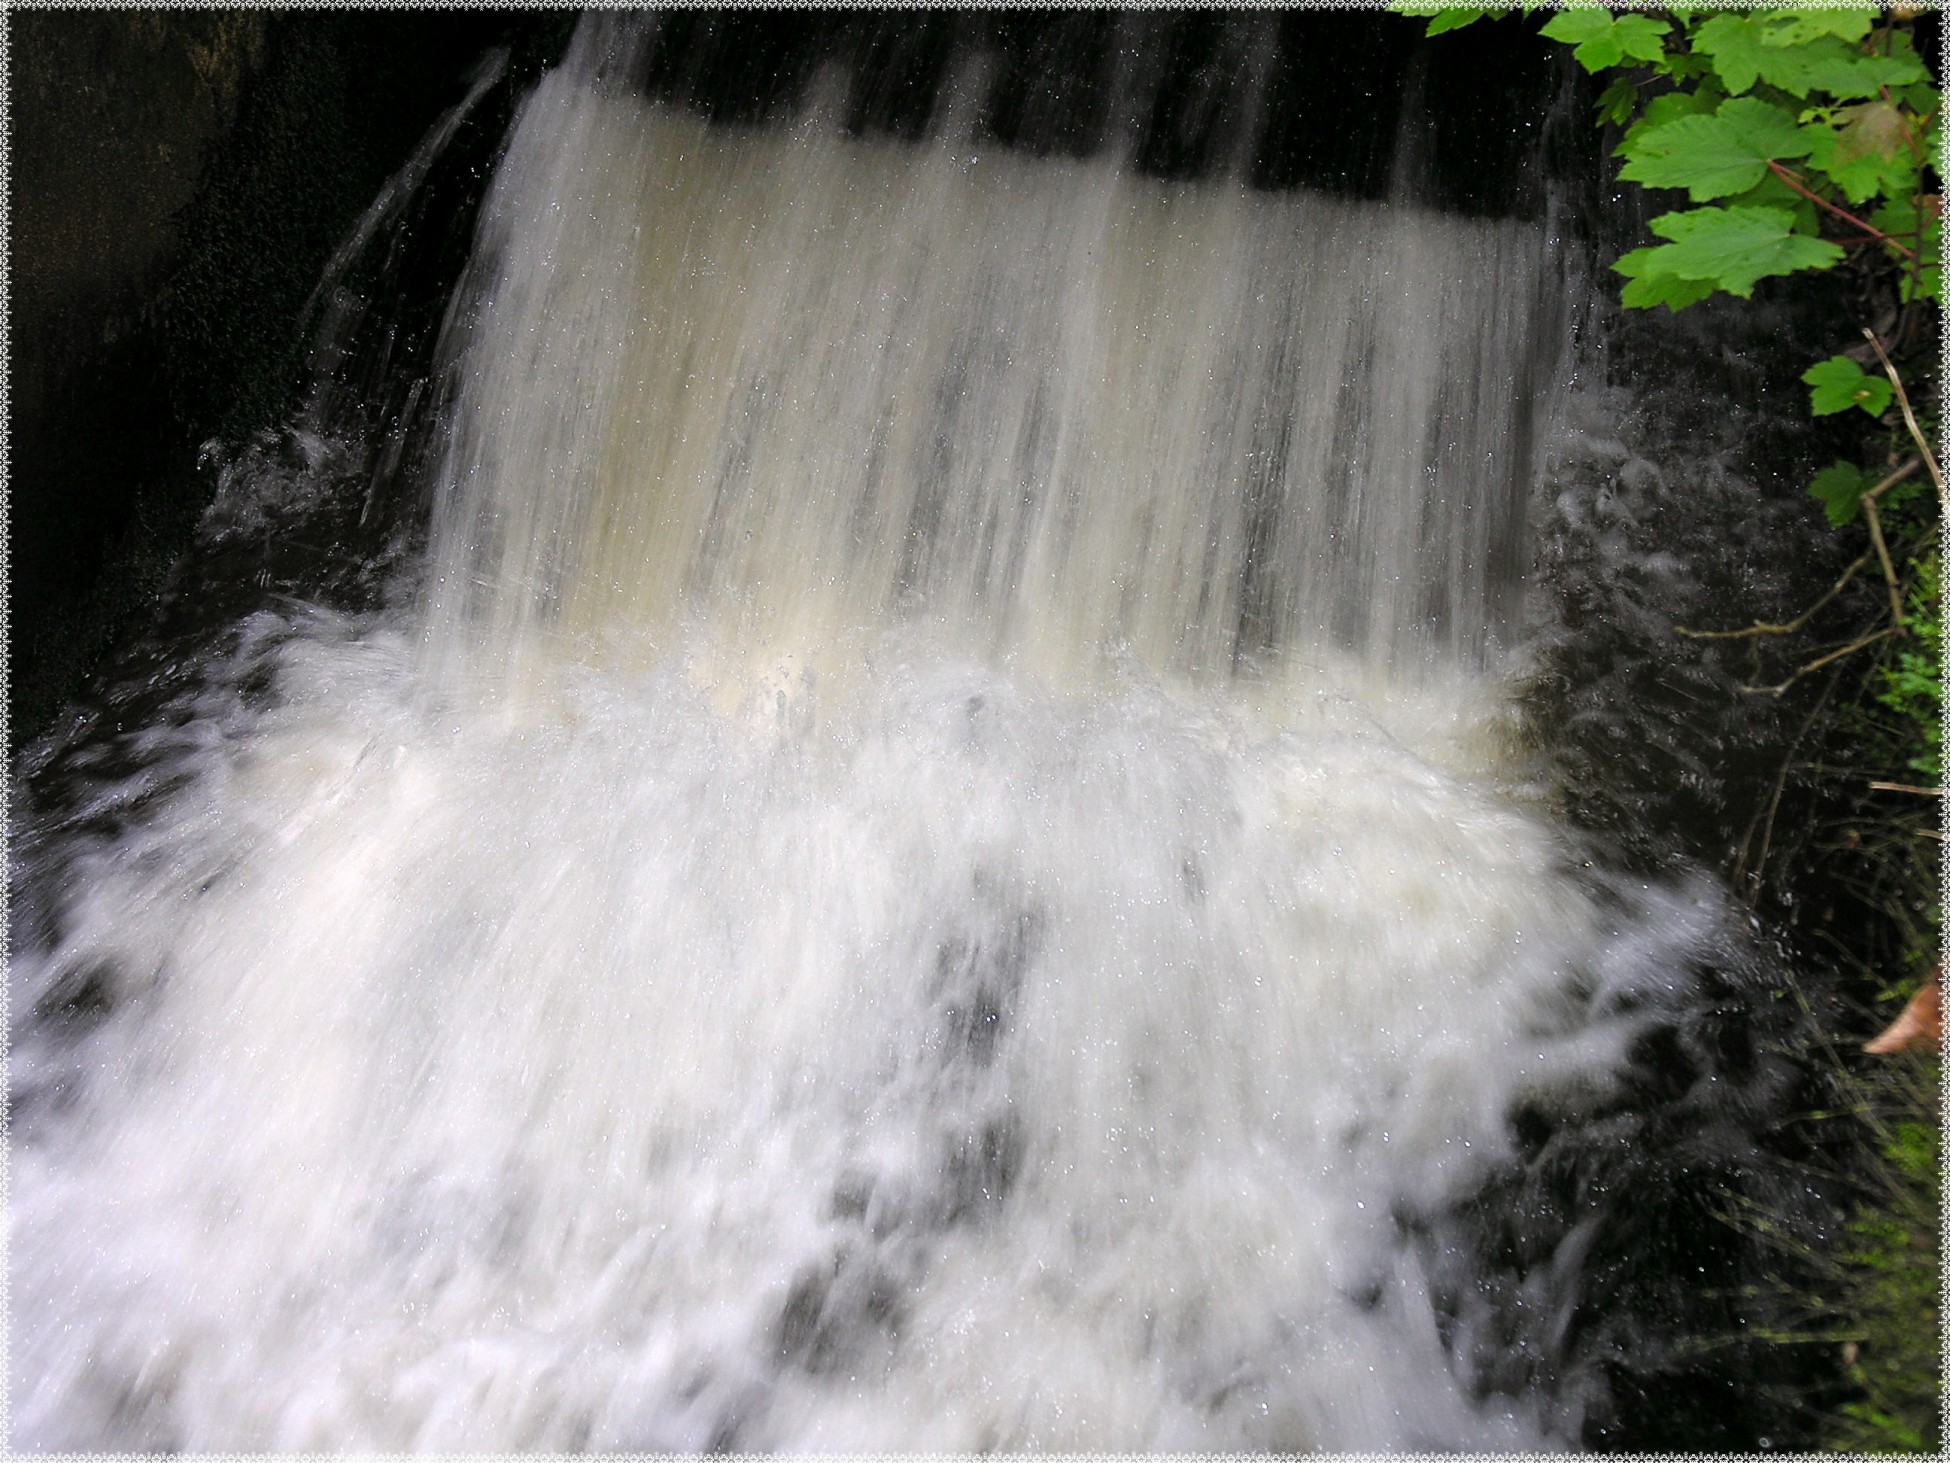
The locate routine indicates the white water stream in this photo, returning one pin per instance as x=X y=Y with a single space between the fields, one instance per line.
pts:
x=938 y=866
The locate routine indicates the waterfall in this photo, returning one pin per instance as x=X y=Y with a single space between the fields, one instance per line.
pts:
x=936 y=854
x=793 y=383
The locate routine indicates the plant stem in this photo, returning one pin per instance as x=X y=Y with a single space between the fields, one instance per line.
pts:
x=1909 y=420
x=1763 y=627
x=1868 y=228
x=1815 y=665
x=1888 y=569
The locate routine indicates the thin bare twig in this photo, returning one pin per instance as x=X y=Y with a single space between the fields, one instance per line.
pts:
x=1870 y=229
x=1909 y=420
x=1888 y=569
x=1921 y=792
x=1909 y=465
x=1762 y=627
x=1828 y=659
x=1774 y=806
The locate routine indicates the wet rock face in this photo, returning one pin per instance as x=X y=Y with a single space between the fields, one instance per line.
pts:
x=178 y=181
x=114 y=113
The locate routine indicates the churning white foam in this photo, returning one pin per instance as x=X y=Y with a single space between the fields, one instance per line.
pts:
x=975 y=1064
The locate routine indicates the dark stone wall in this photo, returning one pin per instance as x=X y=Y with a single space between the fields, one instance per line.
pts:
x=114 y=113
x=1334 y=86
x=178 y=181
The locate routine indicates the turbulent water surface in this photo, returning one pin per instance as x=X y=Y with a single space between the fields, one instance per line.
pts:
x=935 y=853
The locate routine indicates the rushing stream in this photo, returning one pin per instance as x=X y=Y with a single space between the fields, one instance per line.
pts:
x=934 y=849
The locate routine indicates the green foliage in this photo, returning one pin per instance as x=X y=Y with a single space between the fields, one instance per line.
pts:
x=1840 y=489
x=1875 y=151
x=1716 y=154
x=1785 y=121
x=1793 y=111
x=1443 y=18
x=1603 y=40
x=1782 y=50
x=1727 y=249
x=1912 y=679
x=1839 y=383
x=1447 y=17
x=1890 y=1251
x=1797 y=27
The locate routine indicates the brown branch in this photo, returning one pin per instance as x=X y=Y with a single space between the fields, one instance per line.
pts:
x=1921 y=792
x=1815 y=665
x=1866 y=227
x=1762 y=627
x=1909 y=418
x=1909 y=466
x=1888 y=569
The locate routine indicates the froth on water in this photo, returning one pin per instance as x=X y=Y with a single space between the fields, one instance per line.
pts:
x=969 y=1064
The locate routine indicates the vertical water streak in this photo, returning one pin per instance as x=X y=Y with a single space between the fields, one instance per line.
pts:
x=795 y=383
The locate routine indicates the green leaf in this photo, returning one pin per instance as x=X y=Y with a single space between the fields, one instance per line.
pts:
x=1447 y=17
x=1837 y=68
x=1735 y=247
x=1876 y=129
x=1574 y=27
x=1640 y=37
x=1686 y=68
x=1746 y=50
x=1663 y=289
x=1928 y=244
x=1794 y=27
x=1771 y=192
x=1839 y=383
x=1896 y=217
x=1616 y=104
x=1868 y=154
x=1668 y=107
x=1928 y=284
x=1921 y=98
x=1650 y=285
x=1713 y=156
x=1600 y=40
x=1735 y=43
x=1455 y=20
x=1840 y=489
